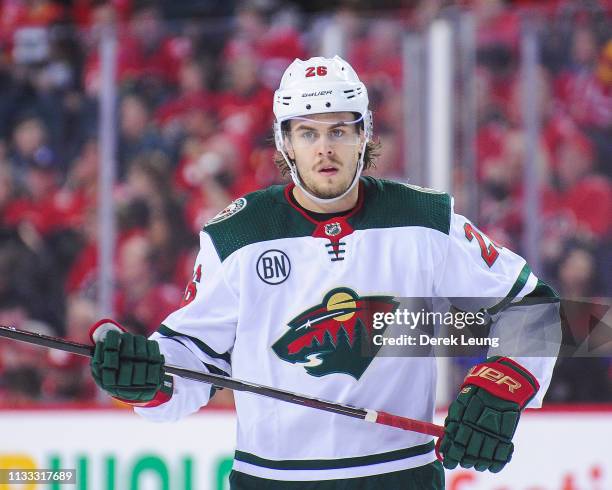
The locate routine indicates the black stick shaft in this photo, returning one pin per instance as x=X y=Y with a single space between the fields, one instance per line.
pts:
x=239 y=385
x=46 y=341
x=214 y=379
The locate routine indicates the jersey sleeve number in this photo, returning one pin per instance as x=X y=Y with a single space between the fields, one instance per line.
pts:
x=488 y=253
x=192 y=290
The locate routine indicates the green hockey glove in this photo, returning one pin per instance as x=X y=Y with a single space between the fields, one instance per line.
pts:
x=482 y=420
x=129 y=367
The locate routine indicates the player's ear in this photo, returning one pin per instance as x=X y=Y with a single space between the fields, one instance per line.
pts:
x=362 y=137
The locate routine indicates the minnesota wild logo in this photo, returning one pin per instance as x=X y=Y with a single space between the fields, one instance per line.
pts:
x=335 y=335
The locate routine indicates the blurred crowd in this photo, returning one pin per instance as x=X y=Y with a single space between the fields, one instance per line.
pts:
x=194 y=120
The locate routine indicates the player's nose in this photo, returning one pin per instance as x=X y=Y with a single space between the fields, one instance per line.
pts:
x=325 y=146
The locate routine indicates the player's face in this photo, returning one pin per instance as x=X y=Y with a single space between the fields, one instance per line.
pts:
x=325 y=148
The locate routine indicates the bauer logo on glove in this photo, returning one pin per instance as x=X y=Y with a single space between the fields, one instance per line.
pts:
x=482 y=420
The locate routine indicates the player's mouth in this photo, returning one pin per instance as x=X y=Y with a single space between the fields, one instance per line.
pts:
x=328 y=170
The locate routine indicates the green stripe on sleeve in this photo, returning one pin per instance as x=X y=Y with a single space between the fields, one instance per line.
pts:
x=211 y=368
x=542 y=294
x=168 y=332
x=519 y=284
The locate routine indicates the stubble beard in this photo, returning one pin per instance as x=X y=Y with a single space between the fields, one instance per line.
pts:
x=322 y=192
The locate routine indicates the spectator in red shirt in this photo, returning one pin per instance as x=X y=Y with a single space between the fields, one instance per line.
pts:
x=81 y=277
x=23 y=14
x=148 y=50
x=270 y=37
x=497 y=25
x=586 y=196
x=85 y=13
x=578 y=203
x=587 y=97
x=140 y=298
x=192 y=106
x=39 y=205
x=79 y=191
x=148 y=57
x=67 y=376
x=245 y=103
x=22 y=365
x=587 y=94
x=212 y=170
x=378 y=56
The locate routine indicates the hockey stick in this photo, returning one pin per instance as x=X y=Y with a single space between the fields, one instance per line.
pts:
x=217 y=380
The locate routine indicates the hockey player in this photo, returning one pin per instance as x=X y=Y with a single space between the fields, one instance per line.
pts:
x=283 y=292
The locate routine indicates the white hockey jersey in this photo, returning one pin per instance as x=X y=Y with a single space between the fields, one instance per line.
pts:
x=278 y=299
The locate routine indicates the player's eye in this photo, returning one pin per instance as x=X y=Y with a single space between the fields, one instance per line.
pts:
x=308 y=136
x=337 y=133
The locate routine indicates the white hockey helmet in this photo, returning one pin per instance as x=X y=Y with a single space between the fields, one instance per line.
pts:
x=315 y=86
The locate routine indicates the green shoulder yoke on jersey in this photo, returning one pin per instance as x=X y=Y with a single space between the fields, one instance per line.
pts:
x=391 y=204
x=266 y=215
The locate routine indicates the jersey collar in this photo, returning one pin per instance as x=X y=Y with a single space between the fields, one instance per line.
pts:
x=344 y=215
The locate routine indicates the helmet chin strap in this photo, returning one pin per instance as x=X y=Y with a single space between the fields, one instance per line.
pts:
x=297 y=180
